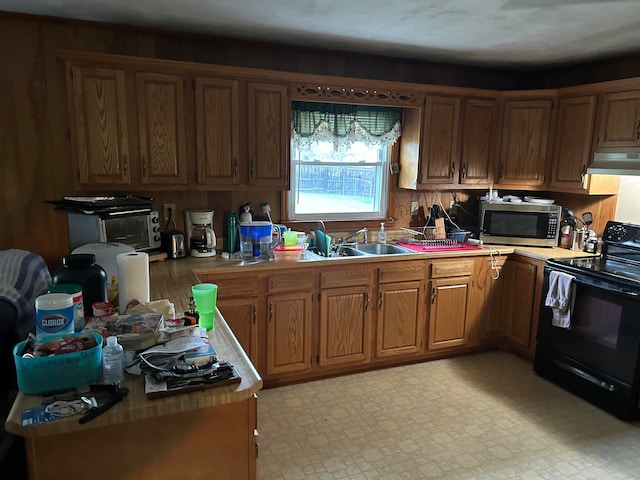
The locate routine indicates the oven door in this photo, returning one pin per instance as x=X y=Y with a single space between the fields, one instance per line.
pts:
x=604 y=333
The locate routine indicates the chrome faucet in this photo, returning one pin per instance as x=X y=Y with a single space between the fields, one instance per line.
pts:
x=365 y=236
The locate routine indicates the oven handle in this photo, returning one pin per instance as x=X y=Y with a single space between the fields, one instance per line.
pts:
x=586 y=376
x=583 y=280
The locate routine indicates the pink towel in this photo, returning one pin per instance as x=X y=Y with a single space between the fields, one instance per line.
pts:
x=560 y=298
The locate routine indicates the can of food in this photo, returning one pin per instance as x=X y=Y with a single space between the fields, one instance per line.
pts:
x=75 y=291
x=54 y=314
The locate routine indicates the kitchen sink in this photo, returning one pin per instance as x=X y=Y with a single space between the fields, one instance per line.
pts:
x=368 y=249
x=382 y=249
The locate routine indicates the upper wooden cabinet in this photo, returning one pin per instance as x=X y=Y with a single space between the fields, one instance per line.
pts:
x=572 y=148
x=161 y=128
x=440 y=141
x=99 y=130
x=525 y=134
x=217 y=131
x=479 y=141
x=619 y=121
x=268 y=112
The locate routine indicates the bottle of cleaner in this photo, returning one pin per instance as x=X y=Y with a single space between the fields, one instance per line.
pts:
x=382 y=234
x=112 y=361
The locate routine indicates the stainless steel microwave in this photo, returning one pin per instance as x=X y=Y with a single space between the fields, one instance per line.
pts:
x=527 y=224
x=139 y=229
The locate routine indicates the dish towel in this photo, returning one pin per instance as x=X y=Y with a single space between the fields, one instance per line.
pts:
x=560 y=298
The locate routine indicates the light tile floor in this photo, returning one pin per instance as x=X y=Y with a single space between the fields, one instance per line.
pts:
x=486 y=416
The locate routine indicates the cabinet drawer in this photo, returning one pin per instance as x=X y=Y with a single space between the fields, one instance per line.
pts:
x=295 y=281
x=451 y=268
x=234 y=287
x=346 y=278
x=401 y=272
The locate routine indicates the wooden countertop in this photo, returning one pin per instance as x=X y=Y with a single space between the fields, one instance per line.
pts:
x=136 y=406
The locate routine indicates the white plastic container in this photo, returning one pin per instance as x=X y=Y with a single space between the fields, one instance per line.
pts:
x=54 y=315
x=112 y=361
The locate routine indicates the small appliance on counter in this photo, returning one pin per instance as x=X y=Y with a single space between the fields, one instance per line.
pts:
x=172 y=243
x=105 y=219
x=201 y=239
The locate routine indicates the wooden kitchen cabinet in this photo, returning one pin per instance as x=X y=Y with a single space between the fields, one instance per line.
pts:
x=217 y=131
x=288 y=324
x=479 y=141
x=450 y=296
x=268 y=128
x=573 y=140
x=99 y=128
x=161 y=129
x=521 y=302
x=401 y=313
x=488 y=294
x=525 y=134
x=619 y=122
x=440 y=141
x=240 y=304
x=345 y=316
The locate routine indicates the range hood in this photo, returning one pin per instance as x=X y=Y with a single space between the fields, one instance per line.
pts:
x=615 y=164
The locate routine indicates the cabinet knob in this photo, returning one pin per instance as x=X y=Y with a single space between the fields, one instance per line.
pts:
x=638 y=131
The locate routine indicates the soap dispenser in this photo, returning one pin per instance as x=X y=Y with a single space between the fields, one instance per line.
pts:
x=382 y=234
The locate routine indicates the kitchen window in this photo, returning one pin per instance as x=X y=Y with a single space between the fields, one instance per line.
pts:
x=340 y=160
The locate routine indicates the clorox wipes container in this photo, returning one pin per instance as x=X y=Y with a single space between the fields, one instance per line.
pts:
x=54 y=315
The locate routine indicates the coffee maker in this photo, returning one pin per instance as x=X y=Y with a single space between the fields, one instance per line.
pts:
x=201 y=239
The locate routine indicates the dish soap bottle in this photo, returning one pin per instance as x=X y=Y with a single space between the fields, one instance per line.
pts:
x=382 y=234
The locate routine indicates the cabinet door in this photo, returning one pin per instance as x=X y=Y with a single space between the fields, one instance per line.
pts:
x=619 y=123
x=98 y=106
x=163 y=149
x=573 y=139
x=488 y=292
x=345 y=326
x=400 y=318
x=288 y=333
x=217 y=127
x=479 y=139
x=525 y=133
x=440 y=141
x=449 y=312
x=518 y=302
x=241 y=316
x=268 y=127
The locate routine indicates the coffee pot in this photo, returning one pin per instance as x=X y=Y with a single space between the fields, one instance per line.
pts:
x=201 y=239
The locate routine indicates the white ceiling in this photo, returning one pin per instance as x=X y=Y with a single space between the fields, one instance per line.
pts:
x=504 y=33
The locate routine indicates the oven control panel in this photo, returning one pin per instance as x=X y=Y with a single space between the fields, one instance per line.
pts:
x=622 y=233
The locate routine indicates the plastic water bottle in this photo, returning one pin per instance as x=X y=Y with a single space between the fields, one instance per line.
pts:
x=112 y=361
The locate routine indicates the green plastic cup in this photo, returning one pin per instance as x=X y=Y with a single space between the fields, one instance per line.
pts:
x=205 y=296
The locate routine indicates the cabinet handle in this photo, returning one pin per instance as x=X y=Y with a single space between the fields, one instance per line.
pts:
x=270 y=312
x=144 y=167
x=433 y=295
x=235 y=168
x=255 y=314
x=380 y=303
x=463 y=171
x=638 y=131
x=125 y=165
x=583 y=172
x=452 y=169
x=366 y=302
x=252 y=169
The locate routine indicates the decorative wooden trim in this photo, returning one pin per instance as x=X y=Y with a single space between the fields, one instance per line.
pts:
x=341 y=93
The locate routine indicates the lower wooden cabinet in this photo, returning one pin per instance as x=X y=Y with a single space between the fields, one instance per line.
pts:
x=521 y=302
x=488 y=294
x=241 y=314
x=450 y=295
x=288 y=333
x=400 y=313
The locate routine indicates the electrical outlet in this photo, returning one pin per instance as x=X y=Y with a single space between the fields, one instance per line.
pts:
x=414 y=208
x=168 y=211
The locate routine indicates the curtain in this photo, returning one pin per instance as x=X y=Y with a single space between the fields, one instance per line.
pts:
x=343 y=124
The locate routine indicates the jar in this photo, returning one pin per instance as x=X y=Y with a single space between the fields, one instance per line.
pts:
x=75 y=291
x=591 y=246
x=81 y=268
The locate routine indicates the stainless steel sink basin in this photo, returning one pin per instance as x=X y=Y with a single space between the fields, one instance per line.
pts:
x=382 y=249
x=370 y=249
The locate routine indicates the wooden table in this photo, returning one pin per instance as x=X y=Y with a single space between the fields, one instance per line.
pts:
x=205 y=434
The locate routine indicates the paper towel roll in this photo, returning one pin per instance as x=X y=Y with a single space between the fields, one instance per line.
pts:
x=133 y=278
